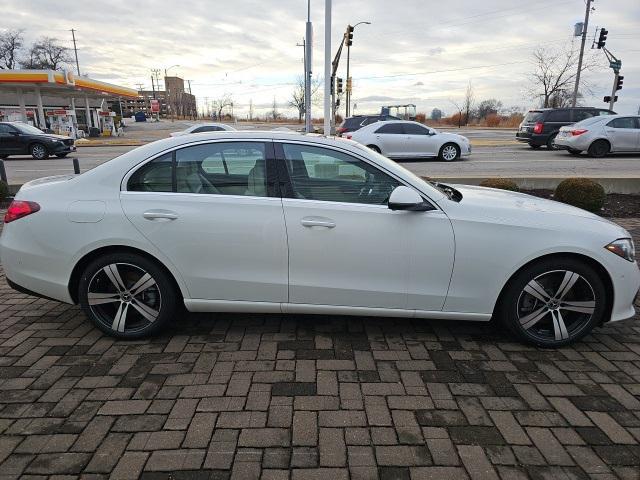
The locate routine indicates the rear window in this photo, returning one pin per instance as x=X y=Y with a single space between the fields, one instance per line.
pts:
x=588 y=121
x=352 y=122
x=558 y=116
x=533 y=116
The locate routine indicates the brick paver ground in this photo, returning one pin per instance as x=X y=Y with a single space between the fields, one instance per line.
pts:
x=305 y=397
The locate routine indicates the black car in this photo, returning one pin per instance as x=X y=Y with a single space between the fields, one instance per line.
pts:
x=541 y=126
x=17 y=138
x=356 y=122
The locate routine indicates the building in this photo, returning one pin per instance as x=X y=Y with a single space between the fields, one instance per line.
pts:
x=179 y=102
x=59 y=100
x=142 y=103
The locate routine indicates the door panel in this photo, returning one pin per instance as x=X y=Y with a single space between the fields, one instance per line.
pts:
x=623 y=133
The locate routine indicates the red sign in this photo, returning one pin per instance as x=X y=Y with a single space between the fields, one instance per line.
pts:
x=51 y=113
x=155 y=105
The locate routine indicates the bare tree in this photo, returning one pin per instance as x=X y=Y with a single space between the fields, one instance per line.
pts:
x=251 y=109
x=47 y=54
x=469 y=101
x=297 y=96
x=488 y=107
x=11 y=42
x=554 y=75
x=221 y=103
x=436 y=114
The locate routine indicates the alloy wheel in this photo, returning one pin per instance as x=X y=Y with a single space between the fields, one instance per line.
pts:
x=124 y=297
x=449 y=152
x=556 y=306
x=39 y=151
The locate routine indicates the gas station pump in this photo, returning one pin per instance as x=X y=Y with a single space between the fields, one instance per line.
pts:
x=107 y=124
x=62 y=122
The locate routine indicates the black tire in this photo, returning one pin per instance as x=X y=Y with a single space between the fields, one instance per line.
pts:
x=544 y=319
x=3 y=156
x=374 y=148
x=550 y=142
x=61 y=155
x=574 y=152
x=39 y=151
x=535 y=147
x=446 y=152
x=599 y=149
x=145 y=312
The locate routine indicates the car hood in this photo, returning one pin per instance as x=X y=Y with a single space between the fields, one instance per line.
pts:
x=493 y=201
x=52 y=136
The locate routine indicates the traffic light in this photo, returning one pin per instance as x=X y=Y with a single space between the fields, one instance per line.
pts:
x=619 y=84
x=348 y=36
x=349 y=84
x=602 y=39
x=607 y=99
x=339 y=87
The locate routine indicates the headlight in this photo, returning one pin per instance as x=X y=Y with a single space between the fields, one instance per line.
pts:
x=623 y=247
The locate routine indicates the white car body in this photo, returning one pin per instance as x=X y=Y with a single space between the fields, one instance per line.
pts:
x=420 y=142
x=204 y=128
x=614 y=129
x=249 y=253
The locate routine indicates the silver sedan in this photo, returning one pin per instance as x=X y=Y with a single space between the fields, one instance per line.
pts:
x=599 y=136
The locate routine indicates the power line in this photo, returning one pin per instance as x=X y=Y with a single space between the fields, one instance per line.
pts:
x=398 y=75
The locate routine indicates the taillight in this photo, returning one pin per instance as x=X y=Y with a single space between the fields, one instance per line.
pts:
x=18 y=209
x=537 y=128
x=349 y=137
x=575 y=133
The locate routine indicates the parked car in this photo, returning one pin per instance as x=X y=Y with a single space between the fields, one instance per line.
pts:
x=351 y=124
x=599 y=136
x=284 y=223
x=204 y=127
x=17 y=138
x=540 y=126
x=400 y=139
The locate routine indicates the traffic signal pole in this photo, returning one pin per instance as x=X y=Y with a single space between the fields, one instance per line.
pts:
x=613 y=91
x=585 y=28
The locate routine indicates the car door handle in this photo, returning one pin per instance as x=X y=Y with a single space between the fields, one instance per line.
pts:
x=160 y=215
x=317 y=222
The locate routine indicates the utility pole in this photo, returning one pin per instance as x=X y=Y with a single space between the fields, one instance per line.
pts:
x=328 y=78
x=585 y=28
x=75 y=49
x=349 y=39
x=308 y=53
x=306 y=78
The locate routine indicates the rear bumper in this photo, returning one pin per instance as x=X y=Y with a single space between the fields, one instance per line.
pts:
x=532 y=138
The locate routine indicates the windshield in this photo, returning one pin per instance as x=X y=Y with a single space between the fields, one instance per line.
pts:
x=24 y=128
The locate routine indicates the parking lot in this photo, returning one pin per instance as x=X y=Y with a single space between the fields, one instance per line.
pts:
x=252 y=396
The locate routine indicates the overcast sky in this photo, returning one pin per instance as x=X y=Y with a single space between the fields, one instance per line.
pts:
x=418 y=51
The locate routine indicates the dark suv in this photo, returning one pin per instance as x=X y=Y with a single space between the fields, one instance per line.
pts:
x=356 y=122
x=541 y=126
x=17 y=138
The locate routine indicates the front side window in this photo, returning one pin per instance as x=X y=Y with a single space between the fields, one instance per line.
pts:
x=327 y=175
x=220 y=168
x=624 y=122
x=390 y=128
x=558 y=116
x=4 y=128
x=413 y=129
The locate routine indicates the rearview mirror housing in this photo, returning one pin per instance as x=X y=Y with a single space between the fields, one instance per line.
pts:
x=405 y=198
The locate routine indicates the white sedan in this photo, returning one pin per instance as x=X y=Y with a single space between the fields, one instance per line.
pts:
x=287 y=223
x=599 y=136
x=204 y=127
x=403 y=139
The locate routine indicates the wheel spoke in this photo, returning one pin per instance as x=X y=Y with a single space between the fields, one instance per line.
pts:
x=581 y=307
x=530 y=320
x=535 y=289
x=120 y=319
x=114 y=275
x=569 y=280
x=559 y=327
x=145 y=282
x=100 y=298
x=146 y=311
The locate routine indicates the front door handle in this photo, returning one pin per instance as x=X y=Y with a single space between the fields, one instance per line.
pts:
x=317 y=222
x=160 y=215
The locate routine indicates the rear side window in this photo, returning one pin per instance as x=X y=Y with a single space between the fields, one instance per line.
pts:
x=624 y=122
x=558 y=116
x=588 y=121
x=352 y=122
x=155 y=176
x=391 y=128
x=533 y=116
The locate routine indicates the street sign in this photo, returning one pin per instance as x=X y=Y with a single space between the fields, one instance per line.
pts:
x=615 y=64
x=155 y=106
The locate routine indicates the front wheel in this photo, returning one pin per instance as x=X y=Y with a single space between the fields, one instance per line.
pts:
x=554 y=302
x=39 y=151
x=126 y=295
x=449 y=152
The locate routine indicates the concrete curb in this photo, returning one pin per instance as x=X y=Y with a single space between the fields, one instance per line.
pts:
x=133 y=143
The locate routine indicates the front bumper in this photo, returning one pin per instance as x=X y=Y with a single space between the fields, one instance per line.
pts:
x=626 y=290
x=57 y=148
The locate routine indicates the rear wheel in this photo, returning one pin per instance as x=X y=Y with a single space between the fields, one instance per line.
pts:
x=535 y=147
x=599 y=148
x=374 y=148
x=449 y=152
x=553 y=302
x=551 y=142
x=39 y=151
x=126 y=295
x=574 y=152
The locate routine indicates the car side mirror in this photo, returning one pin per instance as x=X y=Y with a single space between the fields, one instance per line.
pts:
x=405 y=198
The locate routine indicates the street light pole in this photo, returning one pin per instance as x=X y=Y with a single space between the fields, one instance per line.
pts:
x=349 y=82
x=584 y=38
x=308 y=67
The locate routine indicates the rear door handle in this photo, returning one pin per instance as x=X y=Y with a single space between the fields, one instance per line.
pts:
x=317 y=222
x=160 y=215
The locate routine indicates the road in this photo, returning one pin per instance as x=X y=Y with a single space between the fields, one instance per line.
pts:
x=499 y=158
